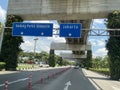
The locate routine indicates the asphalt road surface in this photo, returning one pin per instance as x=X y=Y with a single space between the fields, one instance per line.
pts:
x=72 y=79
x=78 y=79
x=19 y=80
x=59 y=79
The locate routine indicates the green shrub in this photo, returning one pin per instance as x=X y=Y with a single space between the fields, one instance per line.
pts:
x=101 y=70
x=2 y=65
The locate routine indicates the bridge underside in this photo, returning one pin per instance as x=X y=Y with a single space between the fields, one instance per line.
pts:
x=62 y=9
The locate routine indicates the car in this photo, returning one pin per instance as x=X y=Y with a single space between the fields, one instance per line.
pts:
x=42 y=64
x=76 y=67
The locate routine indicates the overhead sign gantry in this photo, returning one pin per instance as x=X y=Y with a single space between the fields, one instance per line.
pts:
x=70 y=30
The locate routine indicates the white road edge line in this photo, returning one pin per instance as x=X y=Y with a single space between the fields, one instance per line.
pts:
x=84 y=72
x=19 y=80
x=94 y=84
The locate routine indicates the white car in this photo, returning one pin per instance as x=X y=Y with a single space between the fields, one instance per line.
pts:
x=76 y=67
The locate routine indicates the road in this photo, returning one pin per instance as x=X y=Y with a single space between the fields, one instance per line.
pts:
x=19 y=80
x=71 y=79
x=79 y=79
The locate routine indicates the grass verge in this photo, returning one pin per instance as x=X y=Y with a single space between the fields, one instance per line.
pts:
x=101 y=70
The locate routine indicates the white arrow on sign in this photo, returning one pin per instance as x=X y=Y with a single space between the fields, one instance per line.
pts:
x=67 y=85
x=70 y=34
x=21 y=33
x=42 y=33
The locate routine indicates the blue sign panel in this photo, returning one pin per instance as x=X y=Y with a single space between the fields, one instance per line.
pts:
x=72 y=30
x=32 y=29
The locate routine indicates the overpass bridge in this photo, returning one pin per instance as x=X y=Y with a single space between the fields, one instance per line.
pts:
x=65 y=11
x=62 y=9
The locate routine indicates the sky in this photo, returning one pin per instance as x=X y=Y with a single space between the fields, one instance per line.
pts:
x=3 y=8
x=43 y=43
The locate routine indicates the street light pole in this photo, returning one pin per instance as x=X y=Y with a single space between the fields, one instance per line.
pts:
x=35 y=47
x=1 y=35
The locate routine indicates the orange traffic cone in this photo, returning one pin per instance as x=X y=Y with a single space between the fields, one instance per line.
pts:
x=6 y=85
x=30 y=83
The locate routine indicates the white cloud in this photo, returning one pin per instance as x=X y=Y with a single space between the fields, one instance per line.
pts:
x=27 y=46
x=101 y=43
x=2 y=14
x=56 y=39
x=97 y=42
x=100 y=52
x=41 y=21
x=93 y=42
x=42 y=44
x=93 y=27
x=42 y=47
x=45 y=48
x=100 y=21
x=28 y=43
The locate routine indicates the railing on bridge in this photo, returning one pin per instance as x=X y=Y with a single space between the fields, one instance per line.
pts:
x=96 y=32
x=103 y=32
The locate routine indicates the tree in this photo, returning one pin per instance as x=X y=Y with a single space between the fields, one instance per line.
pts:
x=89 y=58
x=44 y=56
x=0 y=34
x=51 y=59
x=11 y=45
x=88 y=61
x=0 y=28
x=105 y=61
x=25 y=56
x=60 y=61
x=97 y=62
x=113 y=45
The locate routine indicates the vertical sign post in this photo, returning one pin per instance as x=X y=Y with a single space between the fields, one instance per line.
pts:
x=1 y=35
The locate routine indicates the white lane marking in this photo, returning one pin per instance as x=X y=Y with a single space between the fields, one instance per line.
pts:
x=67 y=84
x=115 y=88
x=94 y=84
x=2 y=85
x=19 y=80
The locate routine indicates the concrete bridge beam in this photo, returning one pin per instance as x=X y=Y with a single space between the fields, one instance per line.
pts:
x=62 y=9
x=70 y=55
x=74 y=47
